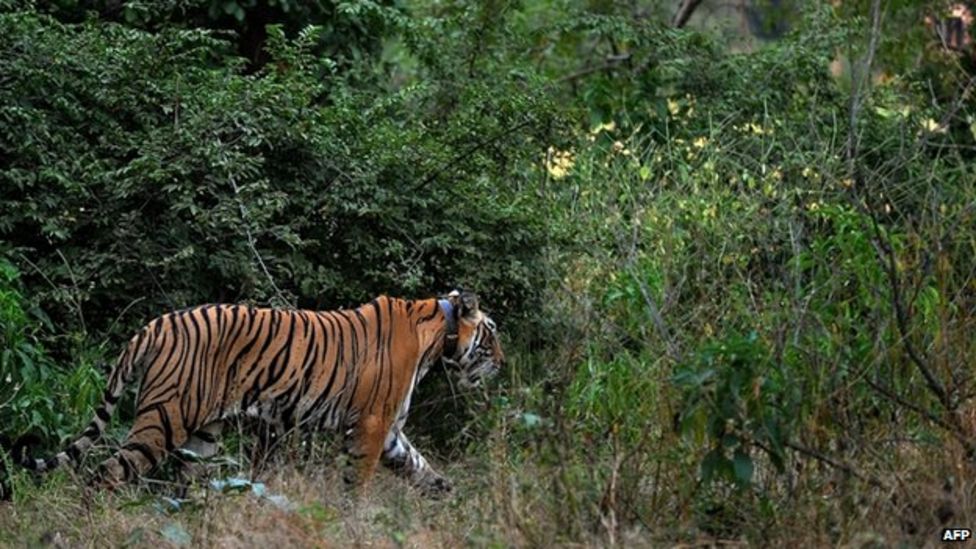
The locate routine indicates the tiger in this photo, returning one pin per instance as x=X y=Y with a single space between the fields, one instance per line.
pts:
x=352 y=371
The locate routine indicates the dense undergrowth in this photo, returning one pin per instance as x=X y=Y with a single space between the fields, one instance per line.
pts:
x=737 y=288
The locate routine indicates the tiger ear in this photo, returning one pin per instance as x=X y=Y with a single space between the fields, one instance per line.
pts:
x=469 y=304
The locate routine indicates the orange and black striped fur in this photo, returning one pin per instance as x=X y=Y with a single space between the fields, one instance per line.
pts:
x=350 y=370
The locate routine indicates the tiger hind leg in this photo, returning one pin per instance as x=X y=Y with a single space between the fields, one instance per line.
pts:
x=400 y=456
x=203 y=444
x=154 y=433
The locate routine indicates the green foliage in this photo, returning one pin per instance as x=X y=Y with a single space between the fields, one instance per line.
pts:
x=161 y=176
x=36 y=395
x=740 y=401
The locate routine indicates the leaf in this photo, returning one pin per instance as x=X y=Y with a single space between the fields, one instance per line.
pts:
x=743 y=467
x=176 y=534
x=711 y=464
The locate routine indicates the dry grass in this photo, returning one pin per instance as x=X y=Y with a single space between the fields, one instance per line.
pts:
x=318 y=514
x=496 y=504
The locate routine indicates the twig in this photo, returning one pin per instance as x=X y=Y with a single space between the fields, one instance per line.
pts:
x=467 y=152
x=894 y=397
x=837 y=464
x=882 y=245
x=610 y=62
x=74 y=282
x=124 y=310
x=887 y=255
x=251 y=242
x=860 y=84
x=57 y=288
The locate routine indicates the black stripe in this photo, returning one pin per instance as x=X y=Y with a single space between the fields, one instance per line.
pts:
x=103 y=415
x=235 y=365
x=170 y=367
x=270 y=334
x=277 y=368
x=192 y=389
x=205 y=436
x=433 y=312
x=143 y=449
x=389 y=347
x=378 y=357
x=326 y=393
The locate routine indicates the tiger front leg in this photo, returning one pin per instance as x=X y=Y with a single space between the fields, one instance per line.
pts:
x=362 y=446
x=400 y=456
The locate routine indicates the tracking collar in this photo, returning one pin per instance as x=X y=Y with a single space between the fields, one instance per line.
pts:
x=451 y=335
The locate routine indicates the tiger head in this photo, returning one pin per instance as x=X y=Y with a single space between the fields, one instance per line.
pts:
x=478 y=353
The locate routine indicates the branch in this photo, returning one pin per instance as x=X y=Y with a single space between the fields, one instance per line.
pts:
x=859 y=84
x=684 y=13
x=887 y=255
x=467 y=152
x=72 y=297
x=250 y=240
x=952 y=429
x=882 y=245
x=837 y=464
x=610 y=62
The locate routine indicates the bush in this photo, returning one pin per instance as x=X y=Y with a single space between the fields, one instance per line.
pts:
x=38 y=396
x=160 y=176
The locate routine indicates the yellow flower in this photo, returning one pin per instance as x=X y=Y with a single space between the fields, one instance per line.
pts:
x=673 y=107
x=559 y=163
x=620 y=148
x=700 y=142
x=757 y=129
x=932 y=126
x=606 y=127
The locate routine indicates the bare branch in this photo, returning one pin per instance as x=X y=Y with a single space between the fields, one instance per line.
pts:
x=609 y=62
x=954 y=429
x=883 y=247
x=684 y=13
x=491 y=140
x=246 y=218
x=887 y=256
x=835 y=463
